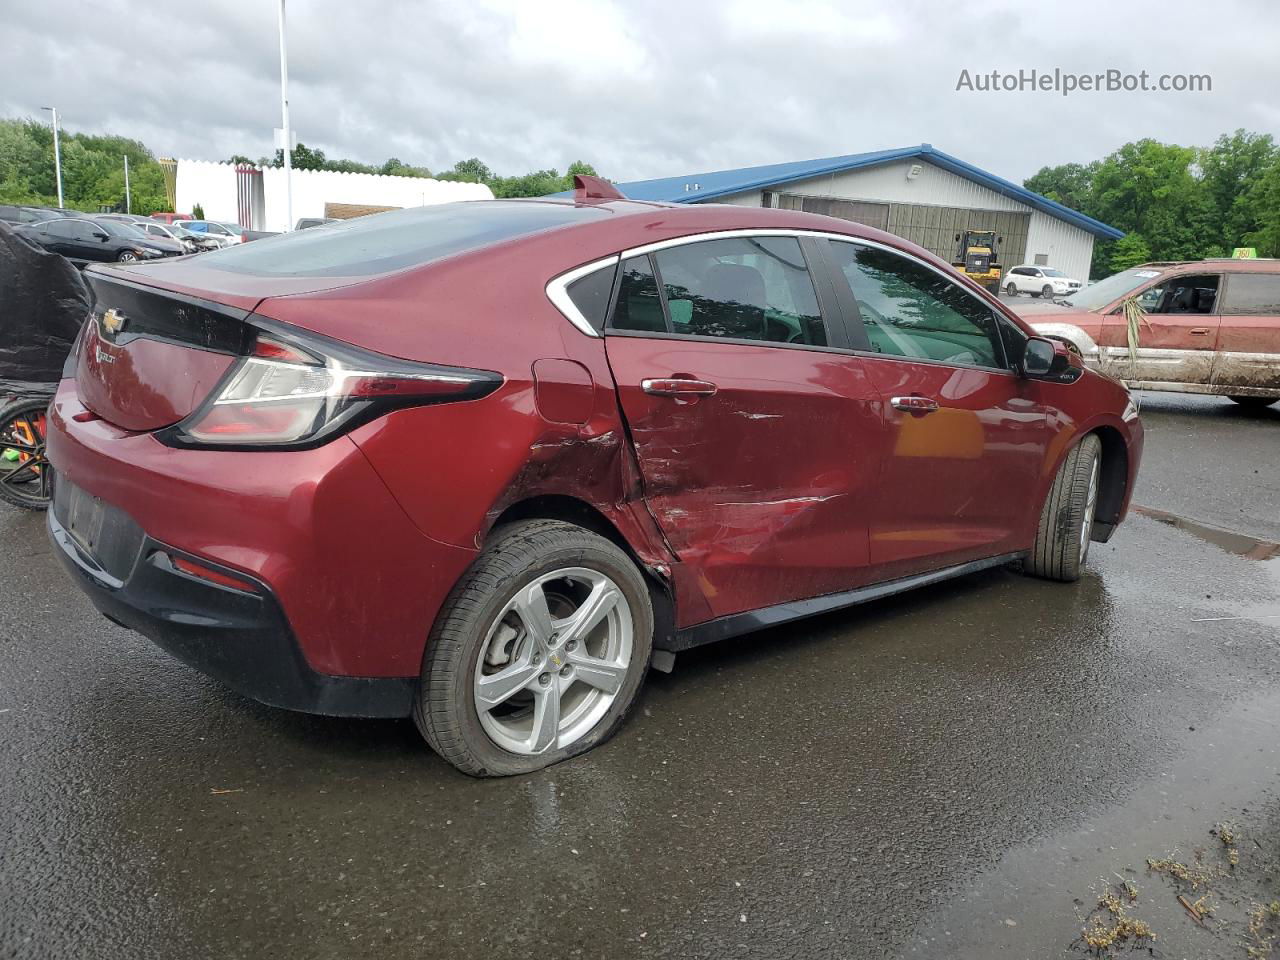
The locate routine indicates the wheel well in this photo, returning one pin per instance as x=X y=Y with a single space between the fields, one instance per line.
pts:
x=582 y=514
x=1114 y=477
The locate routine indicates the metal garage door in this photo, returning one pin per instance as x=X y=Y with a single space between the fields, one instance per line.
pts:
x=859 y=211
x=935 y=228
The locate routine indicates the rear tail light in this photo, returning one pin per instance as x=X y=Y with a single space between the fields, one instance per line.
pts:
x=300 y=390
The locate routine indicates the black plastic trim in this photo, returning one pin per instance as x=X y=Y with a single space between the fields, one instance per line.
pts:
x=239 y=638
x=739 y=623
x=156 y=314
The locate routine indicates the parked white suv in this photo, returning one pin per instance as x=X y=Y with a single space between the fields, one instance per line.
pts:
x=1039 y=282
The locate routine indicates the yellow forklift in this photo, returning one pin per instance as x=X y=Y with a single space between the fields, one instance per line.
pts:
x=978 y=257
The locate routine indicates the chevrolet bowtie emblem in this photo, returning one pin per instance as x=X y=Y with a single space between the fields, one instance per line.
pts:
x=113 y=321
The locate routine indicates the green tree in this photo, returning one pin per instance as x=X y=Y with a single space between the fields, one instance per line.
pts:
x=1070 y=184
x=301 y=157
x=1264 y=199
x=1129 y=251
x=1230 y=169
x=1152 y=189
x=468 y=171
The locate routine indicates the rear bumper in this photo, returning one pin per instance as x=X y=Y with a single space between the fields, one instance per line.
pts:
x=239 y=638
x=351 y=584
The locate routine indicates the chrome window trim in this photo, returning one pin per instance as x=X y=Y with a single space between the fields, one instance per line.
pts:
x=558 y=292
x=792 y=232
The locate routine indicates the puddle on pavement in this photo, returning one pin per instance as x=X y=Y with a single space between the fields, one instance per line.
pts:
x=1033 y=902
x=1267 y=552
x=1237 y=543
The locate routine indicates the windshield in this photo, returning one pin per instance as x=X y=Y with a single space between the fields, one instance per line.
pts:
x=383 y=242
x=1050 y=272
x=118 y=229
x=1112 y=288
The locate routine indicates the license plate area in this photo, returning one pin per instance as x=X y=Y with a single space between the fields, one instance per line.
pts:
x=104 y=533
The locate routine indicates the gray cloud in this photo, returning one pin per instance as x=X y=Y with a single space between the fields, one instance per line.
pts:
x=640 y=89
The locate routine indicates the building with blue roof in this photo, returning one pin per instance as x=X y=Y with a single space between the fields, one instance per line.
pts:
x=917 y=192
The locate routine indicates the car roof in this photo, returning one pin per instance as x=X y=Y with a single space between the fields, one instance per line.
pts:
x=1215 y=265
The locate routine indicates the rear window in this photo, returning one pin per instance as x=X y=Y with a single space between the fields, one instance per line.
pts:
x=1252 y=295
x=384 y=242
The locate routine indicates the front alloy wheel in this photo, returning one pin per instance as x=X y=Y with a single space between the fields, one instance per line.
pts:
x=538 y=653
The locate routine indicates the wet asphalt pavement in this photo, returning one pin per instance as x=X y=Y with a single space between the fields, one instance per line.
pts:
x=951 y=773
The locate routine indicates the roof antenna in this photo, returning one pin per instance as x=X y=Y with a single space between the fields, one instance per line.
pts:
x=586 y=187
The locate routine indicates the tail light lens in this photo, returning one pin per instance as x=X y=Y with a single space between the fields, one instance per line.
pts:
x=297 y=390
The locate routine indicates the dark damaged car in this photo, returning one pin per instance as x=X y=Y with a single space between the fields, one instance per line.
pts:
x=484 y=463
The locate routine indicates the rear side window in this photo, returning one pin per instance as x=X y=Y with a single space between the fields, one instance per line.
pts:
x=383 y=242
x=1252 y=295
x=909 y=310
x=639 y=303
x=590 y=295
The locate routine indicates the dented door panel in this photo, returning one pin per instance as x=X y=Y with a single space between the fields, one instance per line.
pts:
x=764 y=487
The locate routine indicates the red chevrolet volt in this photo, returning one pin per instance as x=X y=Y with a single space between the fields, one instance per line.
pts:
x=485 y=463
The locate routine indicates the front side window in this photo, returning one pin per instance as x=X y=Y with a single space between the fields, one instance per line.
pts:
x=1253 y=295
x=741 y=288
x=1186 y=294
x=910 y=310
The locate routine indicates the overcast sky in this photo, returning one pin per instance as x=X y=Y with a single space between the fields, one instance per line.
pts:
x=640 y=89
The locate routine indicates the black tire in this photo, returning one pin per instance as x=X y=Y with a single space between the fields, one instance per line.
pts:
x=1011 y=289
x=445 y=709
x=1061 y=547
x=27 y=482
x=1047 y=292
x=1254 y=403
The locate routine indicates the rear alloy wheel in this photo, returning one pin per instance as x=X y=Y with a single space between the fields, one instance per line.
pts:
x=1011 y=289
x=538 y=653
x=1254 y=403
x=26 y=479
x=1066 y=520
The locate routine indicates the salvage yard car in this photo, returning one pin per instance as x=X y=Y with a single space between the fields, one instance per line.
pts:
x=1039 y=282
x=1208 y=326
x=83 y=240
x=477 y=462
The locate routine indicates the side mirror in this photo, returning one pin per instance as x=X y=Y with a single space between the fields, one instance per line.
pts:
x=957 y=236
x=1038 y=358
x=100 y=235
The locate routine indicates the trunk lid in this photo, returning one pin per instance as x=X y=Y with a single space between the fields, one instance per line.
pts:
x=149 y=357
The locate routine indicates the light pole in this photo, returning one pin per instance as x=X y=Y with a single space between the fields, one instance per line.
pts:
x=57 y=151
x=128 y=201
x=284 y=122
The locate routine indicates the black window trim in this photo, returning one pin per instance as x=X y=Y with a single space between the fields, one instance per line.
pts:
x=853 y=319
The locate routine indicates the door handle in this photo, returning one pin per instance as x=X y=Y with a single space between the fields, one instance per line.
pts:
x=914 y=404
x=678 y=387
x=1200 y=331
